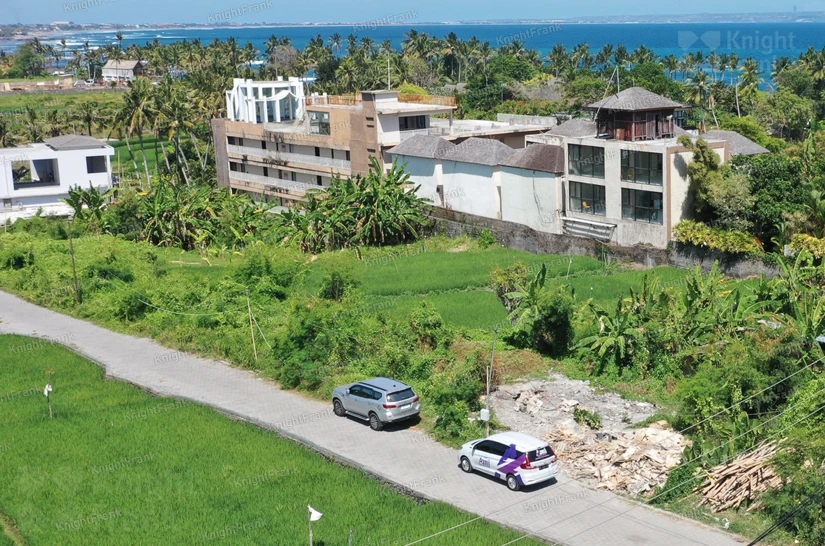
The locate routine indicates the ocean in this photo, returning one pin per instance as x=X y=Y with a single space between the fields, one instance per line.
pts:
x=765 y=42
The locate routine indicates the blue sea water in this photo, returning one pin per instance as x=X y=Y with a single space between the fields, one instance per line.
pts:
x=765 y=42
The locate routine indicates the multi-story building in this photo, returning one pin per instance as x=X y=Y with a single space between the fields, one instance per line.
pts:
x=621 y=177
x=39 y=176
x=277 y=142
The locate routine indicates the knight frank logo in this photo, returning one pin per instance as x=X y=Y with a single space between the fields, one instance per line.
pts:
x=711 y=39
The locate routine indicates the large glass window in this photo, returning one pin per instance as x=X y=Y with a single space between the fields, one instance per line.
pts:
x=96 y=164
x=642 y=206
x=587 y=198
x=642 y=167
x=319 y=123
x=411 y=123
x=586 y=160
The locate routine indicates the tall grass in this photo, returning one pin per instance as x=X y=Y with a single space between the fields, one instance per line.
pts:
x=118 y=466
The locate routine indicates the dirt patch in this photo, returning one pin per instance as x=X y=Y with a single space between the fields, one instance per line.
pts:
x=460 y=248
x=612 y=456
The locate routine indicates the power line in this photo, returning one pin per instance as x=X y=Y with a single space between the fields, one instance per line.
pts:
x=788 y=516
x=663 y=492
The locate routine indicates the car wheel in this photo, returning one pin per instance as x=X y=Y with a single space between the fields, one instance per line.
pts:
x=512 y=483
x=465 y=465
x=375 y=422
x=338 y=408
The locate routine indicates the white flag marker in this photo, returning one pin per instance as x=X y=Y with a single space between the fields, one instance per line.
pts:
x=314 y=515
x=47 y=390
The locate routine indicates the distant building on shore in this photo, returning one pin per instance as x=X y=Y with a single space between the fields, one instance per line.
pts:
x=121 y=71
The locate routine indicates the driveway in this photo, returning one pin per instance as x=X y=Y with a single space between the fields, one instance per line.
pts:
x=565 y=512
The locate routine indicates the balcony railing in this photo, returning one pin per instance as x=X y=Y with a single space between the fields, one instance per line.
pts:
x=287 y=158
x=334 y=100
x=434 y=100
x=287 y=188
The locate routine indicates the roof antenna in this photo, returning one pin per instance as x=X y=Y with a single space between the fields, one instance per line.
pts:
x=618 y=88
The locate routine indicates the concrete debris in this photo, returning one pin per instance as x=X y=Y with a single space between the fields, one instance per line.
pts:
x=634 y=462
x=615 y=457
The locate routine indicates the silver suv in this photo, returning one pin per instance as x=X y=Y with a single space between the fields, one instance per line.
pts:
x=379 y=401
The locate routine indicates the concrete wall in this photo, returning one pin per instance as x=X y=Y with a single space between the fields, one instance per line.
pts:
x=472 y=188
x=521 y=237
x=424 y=172
x=531 y=198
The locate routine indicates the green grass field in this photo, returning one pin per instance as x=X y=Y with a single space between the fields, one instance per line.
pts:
x=43 y=101
x=118 y=466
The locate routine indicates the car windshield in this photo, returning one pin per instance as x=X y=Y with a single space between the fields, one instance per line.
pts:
x=400 y=395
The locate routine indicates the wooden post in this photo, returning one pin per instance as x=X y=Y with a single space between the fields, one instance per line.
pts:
x=252 y=331
x=74 y=266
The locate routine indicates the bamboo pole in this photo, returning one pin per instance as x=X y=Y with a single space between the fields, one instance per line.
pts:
x=252 y=329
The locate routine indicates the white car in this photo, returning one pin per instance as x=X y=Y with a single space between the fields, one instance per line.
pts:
x=517 y=458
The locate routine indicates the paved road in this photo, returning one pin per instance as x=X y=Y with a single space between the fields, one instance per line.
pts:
x=565 y=512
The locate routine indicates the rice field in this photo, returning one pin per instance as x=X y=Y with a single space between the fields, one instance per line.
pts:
x=118 y=466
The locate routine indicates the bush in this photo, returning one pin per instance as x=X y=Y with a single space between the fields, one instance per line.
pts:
x=428 y=326
x=487 y=238
x=701 y=235
x=590 y=418
x=335 y=285
x=815 y=246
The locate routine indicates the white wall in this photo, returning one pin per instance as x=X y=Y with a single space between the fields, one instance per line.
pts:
x=388 y=129
x=425 y=172
x=531 y=198
x=70 y=172
x=471 y=188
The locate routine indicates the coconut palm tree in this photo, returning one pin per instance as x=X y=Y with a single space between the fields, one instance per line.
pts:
x=671 y=64
x=558 y=58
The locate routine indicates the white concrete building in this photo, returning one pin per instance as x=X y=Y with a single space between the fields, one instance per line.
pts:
x=486 y=177
x=621 y=178
x=41 y=175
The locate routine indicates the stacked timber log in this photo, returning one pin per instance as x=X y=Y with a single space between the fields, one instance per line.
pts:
x=730 y=485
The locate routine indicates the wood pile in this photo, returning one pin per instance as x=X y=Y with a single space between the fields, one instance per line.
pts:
x=728 y=486
x=634 y=462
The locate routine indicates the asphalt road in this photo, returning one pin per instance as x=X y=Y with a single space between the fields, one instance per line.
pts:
x=565 y=512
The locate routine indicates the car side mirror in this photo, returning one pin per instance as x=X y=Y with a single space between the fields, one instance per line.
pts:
x=347 y=391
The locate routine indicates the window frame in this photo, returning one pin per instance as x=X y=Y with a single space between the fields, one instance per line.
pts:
x=583 y=160
x=631 y=207
x=638 y=167
x=577 y=196
x=319 y=123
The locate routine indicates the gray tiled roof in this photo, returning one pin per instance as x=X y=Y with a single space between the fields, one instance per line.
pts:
x=538 y=157
x=423 y=146
x=73 y=142
x=121 y=65
x=482 y=151
x=574 y=128
x=737 y=144
x=635 y=99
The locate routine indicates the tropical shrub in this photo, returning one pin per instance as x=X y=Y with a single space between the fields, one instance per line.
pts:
x=701 y=235
x=801 y=241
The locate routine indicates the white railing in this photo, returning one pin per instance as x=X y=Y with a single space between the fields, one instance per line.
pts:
x=337 y=164
x=274 y=185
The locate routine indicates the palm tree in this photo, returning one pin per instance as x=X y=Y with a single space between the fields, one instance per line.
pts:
x=335 y=43
x=698 y=87
x=87 y=114
x=558 y=58
x=33 y=127
x=7 y=137
x=137 y=114
x=750 y=81
x=119 y=38
x=671 y=63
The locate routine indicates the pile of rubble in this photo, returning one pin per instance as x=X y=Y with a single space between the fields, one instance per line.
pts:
x=615 y=457
x=633 y=461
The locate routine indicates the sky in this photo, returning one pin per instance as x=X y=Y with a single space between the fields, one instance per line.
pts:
x=353 y=11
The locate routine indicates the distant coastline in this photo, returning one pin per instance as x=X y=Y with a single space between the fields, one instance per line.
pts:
x=50 y=30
